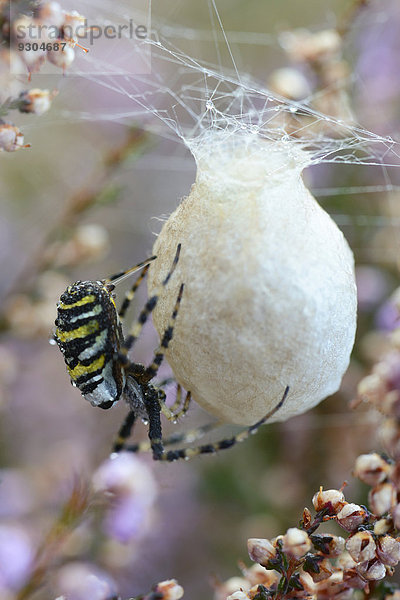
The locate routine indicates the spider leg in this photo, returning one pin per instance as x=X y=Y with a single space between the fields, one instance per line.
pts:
x=190 y=436
x=183 y=408
x=153 y=409
x=124 y=432
x=144 y=315
x=186 y=437
x=151 y=370
x=131 y=293
x=178 y=400
x=122 y=274
x=187 y=453
x=126 y=428
x=173 y=414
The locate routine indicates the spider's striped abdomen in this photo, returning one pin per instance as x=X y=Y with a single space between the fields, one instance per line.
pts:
x=89 y=334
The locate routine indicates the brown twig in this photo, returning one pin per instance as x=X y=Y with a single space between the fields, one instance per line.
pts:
x=80 y=202
x=71 y=515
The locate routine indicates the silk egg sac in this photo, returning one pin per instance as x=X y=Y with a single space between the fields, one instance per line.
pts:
x=270 y=294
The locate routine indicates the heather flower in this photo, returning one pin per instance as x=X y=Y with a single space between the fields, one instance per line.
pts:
x=132 y=490
x=330 y=500
x=231 y=585
x=387 y=317
x=11 y=138
x=382 y=526
x=390 y=437
x=382 y=498
x=361 y=546
x=388 y=550
x=36 y=101
x=372 y=570
x=260 y=550
x=372 y=469
x=351 y=516
x=238 y=595
x=257 y=574
x=296 y=543
x=81 y=581
x=169 y=590
x=16 y=557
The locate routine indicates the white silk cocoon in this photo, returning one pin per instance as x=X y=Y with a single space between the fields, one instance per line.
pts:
x=270 y=295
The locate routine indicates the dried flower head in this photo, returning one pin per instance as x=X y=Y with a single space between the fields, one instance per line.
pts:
x=36 y=101
x=330 y=500
x=372 y=468
x=361 y=546
x=296 y=543
x=11 y=138
x=382 y=498
x=351 y=516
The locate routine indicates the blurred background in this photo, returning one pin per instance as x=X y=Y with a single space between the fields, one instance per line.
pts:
x=87 y=200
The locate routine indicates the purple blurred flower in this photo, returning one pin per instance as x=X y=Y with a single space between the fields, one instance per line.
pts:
x=133 y=490
x=16 y=494
x=390 y=368
x=378 y=66
x=80 y=581
x=16 y=557
x=372 y=286
x=388 y=318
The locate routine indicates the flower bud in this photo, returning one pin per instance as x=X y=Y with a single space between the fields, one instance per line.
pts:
x=320 y=46
x=388 y=550
x=11 y=138
x=332 y=588
x=361 y=546
x=329 y=499
x=372 y=469
x=168 y=590
x=308 y=584
x=36 y=101
x=352 y=579
x=372 y=389
x=254 y=593
x=382 y=498
x=231 y=585
x=296 y=543
x=260 y=550
x=239 y=595
x=345 y=561
x=391 y=404
x=390 y=437
x=62 y=58
x=351 y=516
x=382 y=526
x=289 y=82
x=257 y=574
x=372 y=570
x=50 y=12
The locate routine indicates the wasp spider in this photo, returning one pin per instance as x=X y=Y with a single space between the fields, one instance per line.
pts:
x=90 y=336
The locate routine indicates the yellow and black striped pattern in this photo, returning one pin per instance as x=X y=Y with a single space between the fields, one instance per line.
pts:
x=89 y=334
